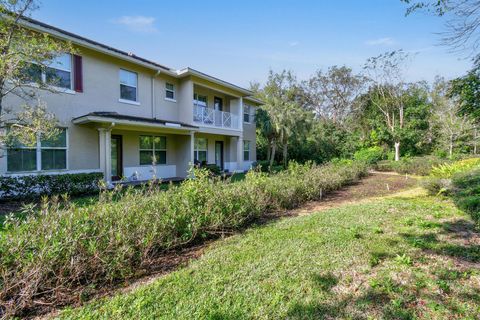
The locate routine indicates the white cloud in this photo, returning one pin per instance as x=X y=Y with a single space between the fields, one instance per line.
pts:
x=387 y=41
x=137 y=23
x=293 y=43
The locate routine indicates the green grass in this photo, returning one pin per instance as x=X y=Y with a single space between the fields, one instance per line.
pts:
x=400 y=258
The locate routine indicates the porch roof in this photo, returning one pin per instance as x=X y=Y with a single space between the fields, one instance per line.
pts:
x=121 y=119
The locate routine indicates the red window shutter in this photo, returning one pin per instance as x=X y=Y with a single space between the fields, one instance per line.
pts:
x=78 y=73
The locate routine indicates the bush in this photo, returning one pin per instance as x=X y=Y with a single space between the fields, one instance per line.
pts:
x=369 y=155
x=60 y=253
x=39 y=185
x=467 y=192
x=421 y=166
x=264 y=166
x=213 y=169
x=448 y=170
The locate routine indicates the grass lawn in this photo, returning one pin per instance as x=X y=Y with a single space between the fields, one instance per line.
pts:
x=403 y=257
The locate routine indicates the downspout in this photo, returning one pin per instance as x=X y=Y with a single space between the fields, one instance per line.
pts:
x=154 y=111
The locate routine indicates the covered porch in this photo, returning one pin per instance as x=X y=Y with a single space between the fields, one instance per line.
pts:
x=134 y=149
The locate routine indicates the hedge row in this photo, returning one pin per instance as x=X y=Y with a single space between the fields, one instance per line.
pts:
x=63 y=253
x=38 y=185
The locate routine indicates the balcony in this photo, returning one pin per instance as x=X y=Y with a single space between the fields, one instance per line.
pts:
x=215 y=118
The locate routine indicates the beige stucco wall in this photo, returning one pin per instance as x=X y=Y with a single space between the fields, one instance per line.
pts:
x=101 y=92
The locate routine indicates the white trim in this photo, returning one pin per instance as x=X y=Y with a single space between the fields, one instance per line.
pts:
x=127 y=85
x=147 y=172
x=95 y=119
x=171 y=100
x=50 y=172
x=135 y=103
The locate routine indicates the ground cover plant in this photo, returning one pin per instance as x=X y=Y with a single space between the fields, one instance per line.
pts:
x=404 y=257
x=63 y=252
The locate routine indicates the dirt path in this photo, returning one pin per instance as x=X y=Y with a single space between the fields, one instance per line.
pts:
x=377 y=184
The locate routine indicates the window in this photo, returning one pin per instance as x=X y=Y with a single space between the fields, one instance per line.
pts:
x=21 y=158
x=246 y=150
x=153 y=150
x=128 y=85
x=51 y=152
x=57 y=73
x=248 y=114
x=199 y=100
x=54 y=152
x=200 y=150
x=169 y=91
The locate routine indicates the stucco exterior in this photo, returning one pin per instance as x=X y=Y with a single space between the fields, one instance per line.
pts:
x=88 y=138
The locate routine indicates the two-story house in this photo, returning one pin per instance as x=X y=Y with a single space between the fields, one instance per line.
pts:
x=132 y=118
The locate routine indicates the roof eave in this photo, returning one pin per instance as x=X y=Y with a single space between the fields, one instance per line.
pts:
x=189 y=71
x=110 y=120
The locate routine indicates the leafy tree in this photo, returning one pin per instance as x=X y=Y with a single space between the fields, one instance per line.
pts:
x=23 y=54
x=285 y=116
x=331 y=95
x=387 y=91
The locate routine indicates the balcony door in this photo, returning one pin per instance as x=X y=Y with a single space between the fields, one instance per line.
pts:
x=218 y=103
x=219 y=153
x=117 y=160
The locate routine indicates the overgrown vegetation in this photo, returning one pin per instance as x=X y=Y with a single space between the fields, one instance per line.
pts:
x=459 y=180
x=406 y=257
x=63 y=252
x=421 y=166
x=467 y=193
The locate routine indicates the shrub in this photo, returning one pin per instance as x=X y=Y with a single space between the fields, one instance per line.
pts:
x=264 y=166
x=62 y=251
x=421 y=166
x=467 y=192
x=38 y=185
x=448 y=170
x=213 y=169
x=369 y=155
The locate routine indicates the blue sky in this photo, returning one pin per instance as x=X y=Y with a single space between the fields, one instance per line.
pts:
x=239 y=41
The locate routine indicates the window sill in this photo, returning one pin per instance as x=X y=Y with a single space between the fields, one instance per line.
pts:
x=171 y=100
x=135 y=103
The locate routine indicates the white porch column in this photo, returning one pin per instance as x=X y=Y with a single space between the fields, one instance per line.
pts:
x=192 y=148
x=240 y=153
x=105 y=152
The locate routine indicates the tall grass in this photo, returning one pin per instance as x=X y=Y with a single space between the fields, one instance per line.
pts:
x=61 y=253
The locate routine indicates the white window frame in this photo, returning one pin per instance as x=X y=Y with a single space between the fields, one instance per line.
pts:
x=153 y=149
x=197 y=150
x=251 y=113
x=195 y=100
x=38 y=153
x=173 y=91
x=246 y=143
x=43 y=77
x=134 y=102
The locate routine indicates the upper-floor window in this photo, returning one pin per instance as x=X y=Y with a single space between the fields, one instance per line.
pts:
x=128 y=85
x=57 y=73
x=52 y=154
x=200 y=100
x=248 y=114
x=170 y=91
x=153 y=150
